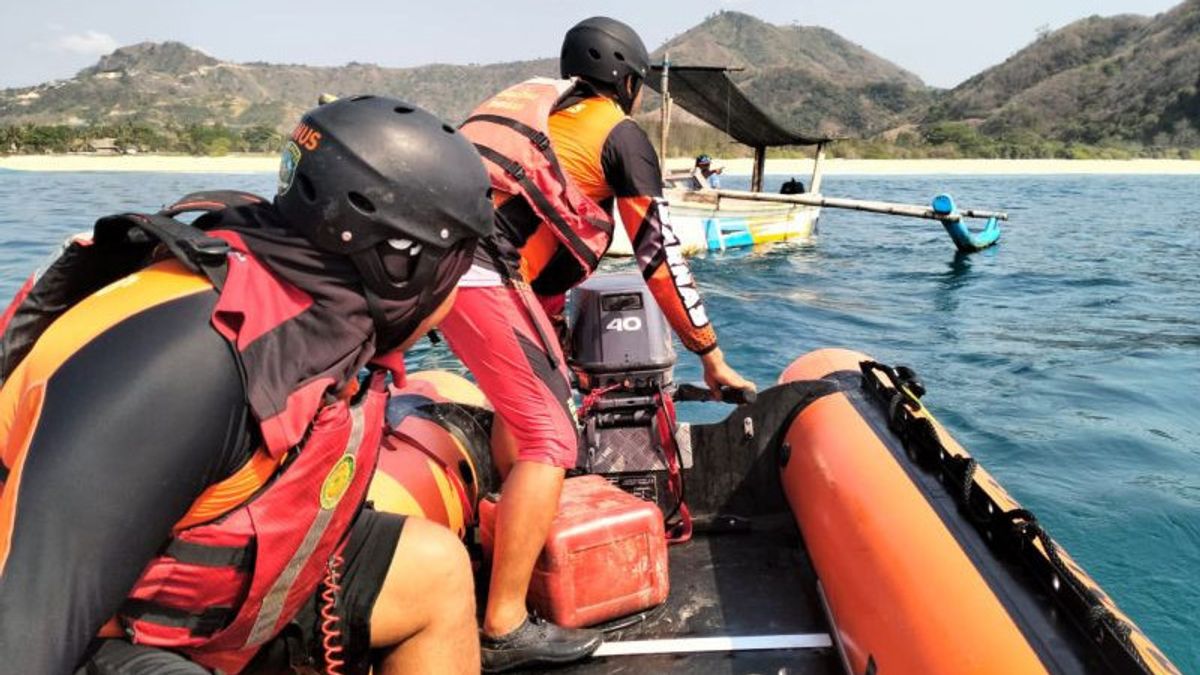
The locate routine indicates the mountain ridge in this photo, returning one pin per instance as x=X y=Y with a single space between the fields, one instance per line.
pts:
x=1122 y=81
x=1114 y=79
x=169 y=82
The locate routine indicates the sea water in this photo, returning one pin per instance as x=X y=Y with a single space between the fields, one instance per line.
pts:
x=1067 y=358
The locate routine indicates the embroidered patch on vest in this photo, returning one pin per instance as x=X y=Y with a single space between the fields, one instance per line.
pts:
x=337 y=482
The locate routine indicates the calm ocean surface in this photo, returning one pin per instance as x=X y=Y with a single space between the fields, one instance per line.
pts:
x=1067 y=359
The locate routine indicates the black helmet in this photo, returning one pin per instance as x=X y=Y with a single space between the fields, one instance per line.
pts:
x=606 y=51
x=388 y=185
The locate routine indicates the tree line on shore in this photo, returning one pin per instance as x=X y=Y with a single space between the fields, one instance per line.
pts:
x=942 y=140
x=191 y=139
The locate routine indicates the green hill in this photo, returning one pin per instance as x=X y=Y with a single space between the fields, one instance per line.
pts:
x=171 y=83
x=810 y=76
x=1124 y=79
x=1114 y=86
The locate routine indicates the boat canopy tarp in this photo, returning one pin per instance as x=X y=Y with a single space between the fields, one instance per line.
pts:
x=708 y=93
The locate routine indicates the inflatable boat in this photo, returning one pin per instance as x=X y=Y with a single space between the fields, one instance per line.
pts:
x=828 y=525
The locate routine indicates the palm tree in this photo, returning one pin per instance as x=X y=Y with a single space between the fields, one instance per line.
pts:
x=10 y=139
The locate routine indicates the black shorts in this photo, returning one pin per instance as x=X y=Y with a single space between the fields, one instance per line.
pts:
x=299 y=647
x=366 y=559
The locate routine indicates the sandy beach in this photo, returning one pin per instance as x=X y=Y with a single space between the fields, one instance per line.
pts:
x=955 y=167
x=738 y=167
x=152 y=163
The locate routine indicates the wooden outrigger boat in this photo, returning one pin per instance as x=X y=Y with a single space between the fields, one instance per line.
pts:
x=707 y=219
x=715 y=220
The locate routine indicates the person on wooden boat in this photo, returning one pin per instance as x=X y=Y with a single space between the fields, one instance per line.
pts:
x=707 y=176
x=187 y=445
x=560 y=153
x=793 y=186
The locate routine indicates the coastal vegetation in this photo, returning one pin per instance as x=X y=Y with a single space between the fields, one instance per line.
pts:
x=938 y=140
x=129 y=138
x=941 y=140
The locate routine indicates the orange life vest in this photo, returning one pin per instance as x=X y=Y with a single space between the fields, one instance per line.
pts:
x=510 y=130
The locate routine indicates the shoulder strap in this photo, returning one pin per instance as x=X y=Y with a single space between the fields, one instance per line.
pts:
x=120 y=245
x=192 y=247
x=195 y=249
x=207 y=201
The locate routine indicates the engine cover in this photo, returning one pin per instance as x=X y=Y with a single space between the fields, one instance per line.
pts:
x=619 y=335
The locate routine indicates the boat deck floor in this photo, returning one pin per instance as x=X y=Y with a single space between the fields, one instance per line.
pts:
x=749 y=583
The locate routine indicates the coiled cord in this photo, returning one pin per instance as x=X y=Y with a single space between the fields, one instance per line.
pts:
x=331 y=634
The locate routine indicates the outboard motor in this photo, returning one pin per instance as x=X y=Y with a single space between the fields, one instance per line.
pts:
x=622 y=355
x=619 y=335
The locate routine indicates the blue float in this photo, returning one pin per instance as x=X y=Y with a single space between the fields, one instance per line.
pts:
x=964 y=238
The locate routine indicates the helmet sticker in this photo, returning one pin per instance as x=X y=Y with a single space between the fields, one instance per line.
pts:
x=288 y=163
x=306 y=136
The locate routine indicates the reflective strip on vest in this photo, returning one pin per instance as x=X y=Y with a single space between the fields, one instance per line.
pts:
x=276 y=597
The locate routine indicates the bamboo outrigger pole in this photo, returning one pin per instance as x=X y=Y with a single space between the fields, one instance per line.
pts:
x=888 y=208
x=942 y=210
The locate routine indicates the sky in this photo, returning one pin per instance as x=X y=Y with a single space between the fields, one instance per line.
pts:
x=942 y=41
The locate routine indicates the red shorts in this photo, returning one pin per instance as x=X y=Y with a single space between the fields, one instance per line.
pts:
x=491 y=330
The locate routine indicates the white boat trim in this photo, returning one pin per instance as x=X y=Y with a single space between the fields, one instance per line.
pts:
x=737 y=643
x=693 y=222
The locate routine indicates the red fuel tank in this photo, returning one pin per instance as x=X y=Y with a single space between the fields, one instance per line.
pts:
x=605 y=557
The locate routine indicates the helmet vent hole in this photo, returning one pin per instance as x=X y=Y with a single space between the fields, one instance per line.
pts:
x=361 y=203
x=361 y=97
x=592 y=52
x=306 y=188
x=402 y=109
x=447 y=128
x=619 y=55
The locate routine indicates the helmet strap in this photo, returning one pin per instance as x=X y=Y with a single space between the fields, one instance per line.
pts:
x=375 y=307
x=618 y=92
x=387 y=334
x=627 y=92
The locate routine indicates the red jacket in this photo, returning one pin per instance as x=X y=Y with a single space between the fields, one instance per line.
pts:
x=255 y=546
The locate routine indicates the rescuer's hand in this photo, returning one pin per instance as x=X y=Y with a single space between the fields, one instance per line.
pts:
x=717 y=374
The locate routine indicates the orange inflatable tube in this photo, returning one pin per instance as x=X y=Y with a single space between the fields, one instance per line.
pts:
x=911 y=586
x=435 y=462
